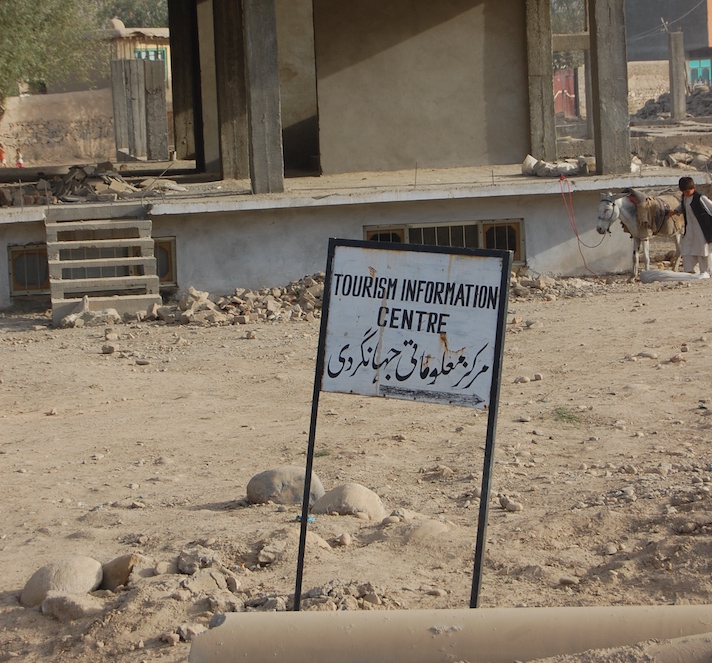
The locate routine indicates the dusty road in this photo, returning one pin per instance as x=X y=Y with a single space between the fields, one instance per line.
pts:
x=609 y=455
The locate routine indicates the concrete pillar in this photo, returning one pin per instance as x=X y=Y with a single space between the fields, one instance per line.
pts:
x=137 y=107
x=119 y=97
x=231 y=89
x=263 y=101
x=490 y=635
x=185 y=70
x=589 y=94
x=609 y=82
x=156 y=114
x=208 y=85
x=542 y=117
x=678 y=78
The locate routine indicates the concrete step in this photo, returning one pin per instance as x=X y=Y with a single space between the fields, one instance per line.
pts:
x=143 y=243
x=68 y=243
x=122 y=304
x=143 y=227
x=60 y=287
x=56 y=267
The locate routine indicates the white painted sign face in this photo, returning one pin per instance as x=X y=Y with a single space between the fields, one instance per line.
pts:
x=412 y=325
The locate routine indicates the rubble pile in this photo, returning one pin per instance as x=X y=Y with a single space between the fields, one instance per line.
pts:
x=688 y=155
x=300 y=300
x=584 y=165
x=83 y=184
x=699 y=104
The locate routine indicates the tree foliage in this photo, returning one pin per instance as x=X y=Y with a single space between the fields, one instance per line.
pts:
x=47 y=41
x=135 y=13
x=567 y=17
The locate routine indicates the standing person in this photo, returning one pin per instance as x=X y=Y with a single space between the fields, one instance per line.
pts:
x=19 y=161
x=3 y=160
x=695 y=243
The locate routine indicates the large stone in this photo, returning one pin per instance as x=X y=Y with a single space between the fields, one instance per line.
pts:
x=67 y=607
x=193 y=559
x=351 y=499
x=283 y=485
x=206 y=581
x=426 y=531
x=73 y=575
x=117 y=572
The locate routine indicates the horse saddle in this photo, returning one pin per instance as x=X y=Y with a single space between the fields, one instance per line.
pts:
x=636 y=196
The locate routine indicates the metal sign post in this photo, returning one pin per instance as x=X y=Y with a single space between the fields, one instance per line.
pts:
x=419 y=323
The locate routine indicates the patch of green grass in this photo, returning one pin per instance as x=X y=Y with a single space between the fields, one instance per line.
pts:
x=321 y=453
x=566 y=416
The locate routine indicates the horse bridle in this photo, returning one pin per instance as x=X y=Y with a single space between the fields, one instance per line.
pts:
x=609 y=216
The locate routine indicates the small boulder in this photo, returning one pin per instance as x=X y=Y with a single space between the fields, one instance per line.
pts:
x=351 y=499
x=283 y=485
x=73 y=575
x=118 y=571
x=68 y=607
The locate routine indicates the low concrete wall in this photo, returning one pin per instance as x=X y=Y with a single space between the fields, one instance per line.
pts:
x=59 y=128
x=220 y=251
x=488 y=635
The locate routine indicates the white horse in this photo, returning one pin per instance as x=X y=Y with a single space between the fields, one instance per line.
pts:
x=614 y=208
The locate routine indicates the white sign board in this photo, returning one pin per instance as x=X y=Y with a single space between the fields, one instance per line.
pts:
x=414 y=325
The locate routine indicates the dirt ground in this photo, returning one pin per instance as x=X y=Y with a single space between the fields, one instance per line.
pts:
x=149 y=451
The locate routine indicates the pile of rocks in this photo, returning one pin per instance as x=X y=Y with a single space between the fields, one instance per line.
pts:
x=82 y=184
x=699 y=104
x=688 y=155
x=300 y=300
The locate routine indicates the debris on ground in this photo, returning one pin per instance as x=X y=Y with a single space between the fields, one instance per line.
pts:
x=299 y=301
x=687 y=155
x=84 y=184
x=581 y=166
x=699 y=104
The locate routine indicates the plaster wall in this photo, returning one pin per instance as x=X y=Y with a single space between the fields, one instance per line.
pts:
x=297 y=78
x=440 y=84
x=59 y=128
x=255 y=249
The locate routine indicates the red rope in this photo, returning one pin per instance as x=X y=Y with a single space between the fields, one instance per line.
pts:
x=569 y=206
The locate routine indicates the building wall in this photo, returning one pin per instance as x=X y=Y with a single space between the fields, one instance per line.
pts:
x=297 y=83
x=645 y=37
x=647 y=79
x=59 y=128
x=440 y=84
x=220 y=251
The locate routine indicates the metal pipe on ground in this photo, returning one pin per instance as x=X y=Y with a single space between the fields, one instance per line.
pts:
x=495 y=635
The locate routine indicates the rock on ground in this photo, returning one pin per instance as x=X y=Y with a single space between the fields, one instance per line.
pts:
x=73 y=575
x=283 y=485
x=351 y=499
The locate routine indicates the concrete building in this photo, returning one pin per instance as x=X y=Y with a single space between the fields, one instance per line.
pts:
x=406 y=121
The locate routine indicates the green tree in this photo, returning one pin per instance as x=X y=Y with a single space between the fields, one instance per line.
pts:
x=135 y=13
x=46 y=41
x=568 y=16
